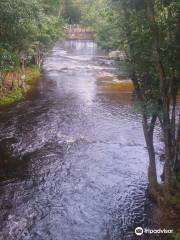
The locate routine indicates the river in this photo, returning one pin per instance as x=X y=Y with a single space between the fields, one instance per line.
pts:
x=75 y=158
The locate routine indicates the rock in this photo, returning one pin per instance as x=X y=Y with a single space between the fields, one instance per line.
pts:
x=117 y=55
x=105 y=76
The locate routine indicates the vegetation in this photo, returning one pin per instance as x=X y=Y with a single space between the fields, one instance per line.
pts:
x=28 y=28
x=105 y=21
x=71 y=10
x=14 y=96
x=17 y=92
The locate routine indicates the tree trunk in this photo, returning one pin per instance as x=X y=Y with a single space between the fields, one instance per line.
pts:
x=164 y=91
x=177 y=151
x=152 y=174
x=148 y=129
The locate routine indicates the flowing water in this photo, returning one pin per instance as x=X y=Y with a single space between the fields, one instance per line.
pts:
x=75 y=163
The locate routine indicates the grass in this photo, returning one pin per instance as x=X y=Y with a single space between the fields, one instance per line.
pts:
x=32 y=74
x=17 y=94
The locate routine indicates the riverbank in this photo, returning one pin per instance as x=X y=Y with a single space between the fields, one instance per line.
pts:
x=16 y=85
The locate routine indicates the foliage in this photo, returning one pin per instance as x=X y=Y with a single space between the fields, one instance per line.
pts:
x=8 y=62
x=100 y=15
x=27 y=30
x=71 y=10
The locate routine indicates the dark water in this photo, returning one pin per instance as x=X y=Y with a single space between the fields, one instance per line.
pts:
x=75 y=159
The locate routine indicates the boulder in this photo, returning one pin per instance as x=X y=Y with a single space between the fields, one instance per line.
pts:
x=117 y=55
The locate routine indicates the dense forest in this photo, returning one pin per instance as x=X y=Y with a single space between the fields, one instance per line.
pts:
x=147 y=31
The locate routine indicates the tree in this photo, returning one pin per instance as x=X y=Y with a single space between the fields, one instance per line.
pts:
x=148 y=32
x=71 y=10
x=28 y=28
x=150 y=29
